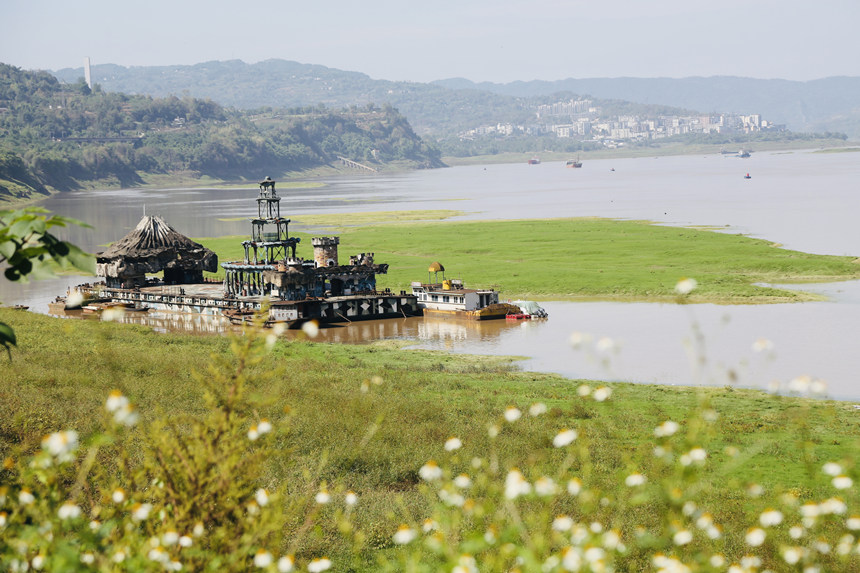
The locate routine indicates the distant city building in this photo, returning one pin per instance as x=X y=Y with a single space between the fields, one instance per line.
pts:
x=580 y=119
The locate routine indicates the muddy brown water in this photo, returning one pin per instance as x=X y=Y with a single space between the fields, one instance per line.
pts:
x=802 y=200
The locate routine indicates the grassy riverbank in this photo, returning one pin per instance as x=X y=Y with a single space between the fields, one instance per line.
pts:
x=374 y=440
x=570 y=259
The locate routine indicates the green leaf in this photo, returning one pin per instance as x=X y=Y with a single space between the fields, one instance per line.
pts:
x=80 y=259
x=7 y=336
x=7 y=249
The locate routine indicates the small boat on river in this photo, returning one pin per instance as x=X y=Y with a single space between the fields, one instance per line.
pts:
x=574 y=163
x=451 y=298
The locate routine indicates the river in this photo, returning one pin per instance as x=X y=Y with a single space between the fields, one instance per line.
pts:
x=802 y=200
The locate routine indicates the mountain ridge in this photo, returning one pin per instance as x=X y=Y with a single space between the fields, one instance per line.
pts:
x=826 y=104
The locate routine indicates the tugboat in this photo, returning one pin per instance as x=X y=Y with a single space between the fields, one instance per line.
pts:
x=534 y=161
x=451 y=298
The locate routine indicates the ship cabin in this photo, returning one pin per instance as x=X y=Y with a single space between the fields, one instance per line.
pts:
x=451 y=294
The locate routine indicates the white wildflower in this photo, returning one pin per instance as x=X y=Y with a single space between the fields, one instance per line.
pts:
x=842 y=482
x=262 y=497
x=25 y=497
x=430 y=471
x=537 y=409
x=666 y=429
x=792 y=555
x=264 y=427
x=818 y=387
x=75 y=299
x=61 y=444
x=322 y=496
x=834 y=506
x=606 y=345
x=169 y=538
x=69 y=511
x=404 y=535
x=562 y=523
x=755 y=536
x=516 y=485
x=319 y=565
x=577 y=339
x=115 y=401
x=351 y=498
x=770 y=517
x=574 y=486
x=602 y=394
x=564 y=438
x=571 y=559
x=635 y=479
x=140 y=511
x=545 y=486
x=796 y=532
x=452 y=444
x=262 y=559
x=512 y=414
x=594 y=555
x=286 y=564
x=119 y=556
x=311 y=328
x=462 y=481
x=685 y=286
x=832 y=469
x=682 y=537
x=800 y=384
x=114 y=314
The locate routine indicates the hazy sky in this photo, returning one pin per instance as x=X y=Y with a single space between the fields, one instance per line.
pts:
x=497 y=40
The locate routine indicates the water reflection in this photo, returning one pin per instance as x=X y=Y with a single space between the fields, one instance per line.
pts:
x=818 y=339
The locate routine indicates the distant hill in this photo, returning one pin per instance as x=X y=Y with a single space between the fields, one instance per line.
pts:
x=431 y=109
x=830 y=104
x=56 y=136
x=445 y=106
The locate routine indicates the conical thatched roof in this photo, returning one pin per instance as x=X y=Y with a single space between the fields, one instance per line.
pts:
x=154 y=246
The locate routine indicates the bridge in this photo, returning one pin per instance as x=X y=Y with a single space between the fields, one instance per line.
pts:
x=356 y=164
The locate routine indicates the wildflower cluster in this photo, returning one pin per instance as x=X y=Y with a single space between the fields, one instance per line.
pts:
x=563 y=516
x=168 y=495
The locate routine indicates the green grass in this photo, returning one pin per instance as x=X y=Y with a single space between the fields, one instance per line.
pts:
x=62 y=370
x=340 y=223
x=570 y=259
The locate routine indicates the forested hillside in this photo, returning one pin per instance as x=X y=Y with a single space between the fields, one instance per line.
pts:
x=57 y=136
x=446 y=106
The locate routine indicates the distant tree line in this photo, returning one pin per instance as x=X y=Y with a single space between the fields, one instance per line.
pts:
x=63 y=136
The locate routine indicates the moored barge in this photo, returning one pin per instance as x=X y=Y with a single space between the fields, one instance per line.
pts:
x=270 y=280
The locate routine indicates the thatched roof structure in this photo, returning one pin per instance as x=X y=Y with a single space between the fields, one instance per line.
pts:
x=154 y=246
